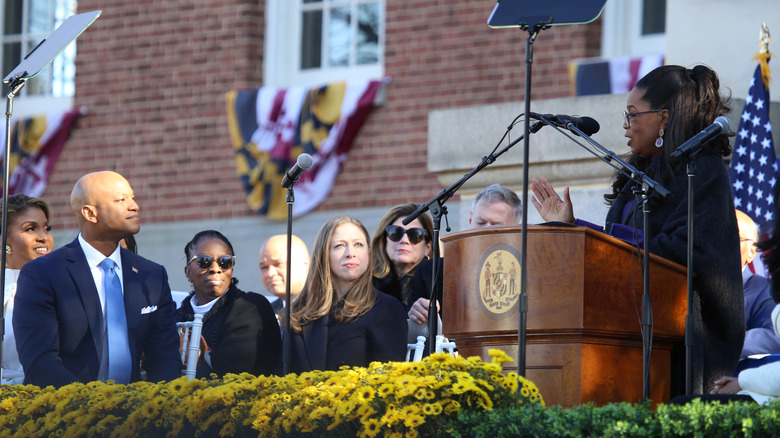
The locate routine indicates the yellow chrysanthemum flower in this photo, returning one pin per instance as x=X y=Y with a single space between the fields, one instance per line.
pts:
x=413 y=420
x=385 y=389
x=371 y=428
x=364 y=394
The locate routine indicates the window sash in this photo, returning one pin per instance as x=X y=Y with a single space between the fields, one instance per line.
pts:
x=288 y=61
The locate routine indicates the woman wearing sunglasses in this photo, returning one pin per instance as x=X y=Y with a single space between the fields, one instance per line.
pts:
x=397 y=249
x=667 y=107
x=239 y=328
x=339 y=318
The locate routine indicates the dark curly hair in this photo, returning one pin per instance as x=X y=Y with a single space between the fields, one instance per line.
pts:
x=19 y=202
x=692 y=97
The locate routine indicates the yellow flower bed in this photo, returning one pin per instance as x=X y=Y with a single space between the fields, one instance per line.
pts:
x=403 y=399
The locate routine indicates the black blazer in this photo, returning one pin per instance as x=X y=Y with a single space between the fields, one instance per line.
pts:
x=379 y=335
x=242 y=334
x=58 y=319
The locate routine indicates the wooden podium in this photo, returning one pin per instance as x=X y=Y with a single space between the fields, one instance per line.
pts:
x=585 y=291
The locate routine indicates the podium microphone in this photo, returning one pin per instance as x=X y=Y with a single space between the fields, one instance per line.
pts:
x=294 y=174
x=587 y=125
x=720 y=126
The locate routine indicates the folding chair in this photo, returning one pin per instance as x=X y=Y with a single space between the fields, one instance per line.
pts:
x=189 y=333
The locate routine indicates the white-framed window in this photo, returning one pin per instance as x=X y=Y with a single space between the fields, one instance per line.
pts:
x=311 y=42
x=25 y=23
x=633 y=28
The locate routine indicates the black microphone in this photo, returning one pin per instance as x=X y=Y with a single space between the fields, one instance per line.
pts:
x=720 y=126
x=294 y=174
x=587 y=125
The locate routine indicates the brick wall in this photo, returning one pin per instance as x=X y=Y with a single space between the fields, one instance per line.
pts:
x=153 y=75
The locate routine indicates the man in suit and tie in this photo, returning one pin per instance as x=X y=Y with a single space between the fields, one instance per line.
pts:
x=92 y=310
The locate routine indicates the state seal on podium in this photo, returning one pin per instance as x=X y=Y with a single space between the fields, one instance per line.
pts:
x=498 y=281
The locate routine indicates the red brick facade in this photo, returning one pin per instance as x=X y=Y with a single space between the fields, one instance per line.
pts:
x=153 y=75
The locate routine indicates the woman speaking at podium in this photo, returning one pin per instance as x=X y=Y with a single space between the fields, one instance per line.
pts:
x=665 y=108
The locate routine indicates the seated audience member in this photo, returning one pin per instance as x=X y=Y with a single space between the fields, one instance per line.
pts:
x=397 y=249
x=495 y=205
x=273 y=268
x=764 y=234
x=339 y=318
x=92 y=310
x=29 y=237
x=239 y=328
x=760 y=337
x=762 y=383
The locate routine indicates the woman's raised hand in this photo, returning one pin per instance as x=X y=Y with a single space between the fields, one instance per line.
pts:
x=549 y=205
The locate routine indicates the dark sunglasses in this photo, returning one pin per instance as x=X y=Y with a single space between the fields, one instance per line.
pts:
x=396 y=233
x=204 y=261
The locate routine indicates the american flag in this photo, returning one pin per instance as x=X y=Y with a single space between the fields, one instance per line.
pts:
x=753 y=164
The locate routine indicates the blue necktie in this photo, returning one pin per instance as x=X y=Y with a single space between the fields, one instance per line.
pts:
x=119 y=358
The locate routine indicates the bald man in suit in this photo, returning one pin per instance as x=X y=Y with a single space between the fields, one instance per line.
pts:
x=65 y=325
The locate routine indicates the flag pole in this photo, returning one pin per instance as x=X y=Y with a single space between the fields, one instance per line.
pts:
x=753 y=166
x=31 y=65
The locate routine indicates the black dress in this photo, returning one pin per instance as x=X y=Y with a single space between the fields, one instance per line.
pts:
x=718 y=304
x=241 y=331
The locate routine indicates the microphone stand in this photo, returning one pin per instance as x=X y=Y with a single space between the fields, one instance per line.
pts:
x=648 y=189
x=647 y=306
x=608 y=156
x=287 y=339
x=522 y=323
x=437 y=208
x=691 y=171
x=16 y=87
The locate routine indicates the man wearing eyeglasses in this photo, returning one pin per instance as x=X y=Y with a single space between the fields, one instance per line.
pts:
x=495 y=205
x=760 y=337
x=91 y=309
x=273 y=268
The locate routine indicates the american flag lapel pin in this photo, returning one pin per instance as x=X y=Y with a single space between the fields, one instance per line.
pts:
x=135 y=270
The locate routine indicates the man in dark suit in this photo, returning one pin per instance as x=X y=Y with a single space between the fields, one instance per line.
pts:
x=66 y=326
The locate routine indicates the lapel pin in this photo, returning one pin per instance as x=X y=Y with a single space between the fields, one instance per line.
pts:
x=135 y=270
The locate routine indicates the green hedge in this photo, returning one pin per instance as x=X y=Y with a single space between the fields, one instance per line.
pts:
x=696 y=419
